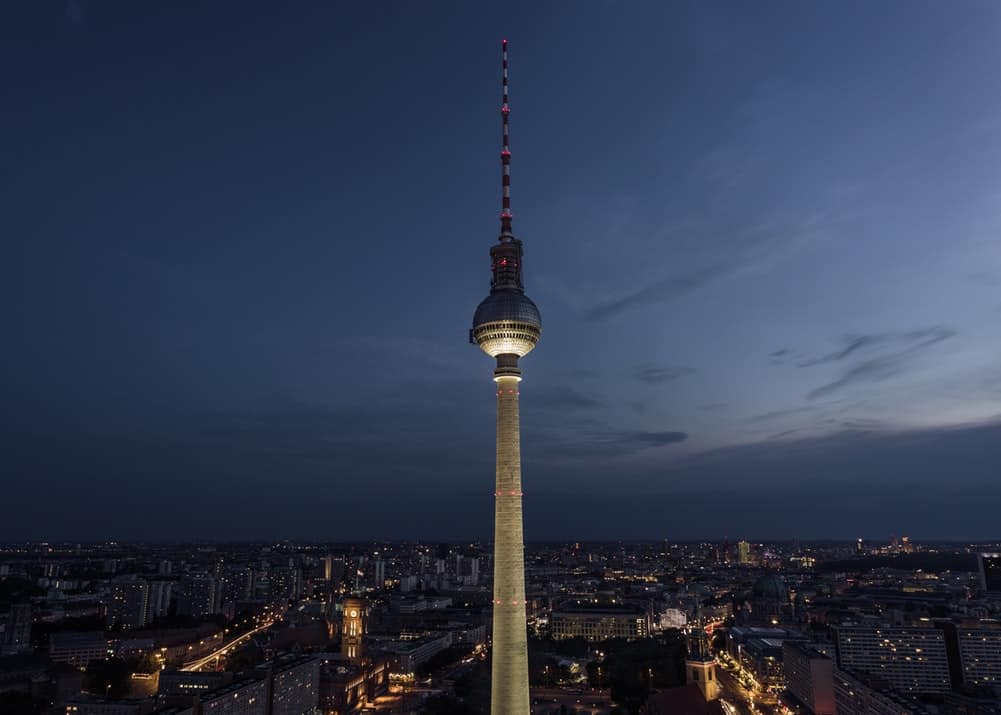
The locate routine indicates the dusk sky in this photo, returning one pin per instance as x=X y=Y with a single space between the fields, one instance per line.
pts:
x=243 y=243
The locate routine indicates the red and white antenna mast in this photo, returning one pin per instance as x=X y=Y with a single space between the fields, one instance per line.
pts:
x=505 y=151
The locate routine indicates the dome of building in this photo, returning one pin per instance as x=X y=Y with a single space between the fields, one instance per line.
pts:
x=770 y=588
x=507 y=323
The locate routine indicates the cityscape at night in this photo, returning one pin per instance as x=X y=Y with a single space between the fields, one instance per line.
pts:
x=284 y=433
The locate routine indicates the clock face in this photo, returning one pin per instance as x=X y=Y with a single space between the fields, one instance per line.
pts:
x=354 y=614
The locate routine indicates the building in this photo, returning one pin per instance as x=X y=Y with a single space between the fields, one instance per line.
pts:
x=912 y=659
x=378 y=574
x=15 y=629
x=353 y=628
x=128 y=604
x=700 y=665
x=289 y=685
x=467 y=570
x=346 y=687
x=295 y=685
x=198 y=595
x=248 y=696
x=597 y=622
x=990 y=573
x=767 y=603
x=864 y=694
x=809 y=677
x=743 y=552
x=687 y=700
x=978 y=651
x=286 y=584
x=410 y=653
x=333 y=569
x=507 y=326
x=90 y=705
x=177 y=687
x=160 y=593
x=78 y=649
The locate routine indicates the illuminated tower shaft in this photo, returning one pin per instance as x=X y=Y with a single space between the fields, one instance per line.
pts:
x=507 y=326
x=509 y=680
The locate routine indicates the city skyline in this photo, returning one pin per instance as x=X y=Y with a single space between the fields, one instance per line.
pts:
x=770 y=271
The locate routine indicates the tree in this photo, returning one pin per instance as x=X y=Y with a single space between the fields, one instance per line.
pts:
x=445 y=705
x=107 y=678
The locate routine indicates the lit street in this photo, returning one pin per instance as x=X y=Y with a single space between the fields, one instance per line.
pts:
x=221 y=651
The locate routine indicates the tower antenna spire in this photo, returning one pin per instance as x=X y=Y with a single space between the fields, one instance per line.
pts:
x=505 y=151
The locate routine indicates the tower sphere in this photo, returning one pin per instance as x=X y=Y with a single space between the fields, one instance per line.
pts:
x=507 y=323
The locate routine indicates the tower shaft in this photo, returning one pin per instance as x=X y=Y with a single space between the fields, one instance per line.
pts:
x=509 y=682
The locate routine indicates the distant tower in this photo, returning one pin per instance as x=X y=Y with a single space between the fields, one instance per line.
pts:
x=700 y=666
x=353 y=628
x=507 y=326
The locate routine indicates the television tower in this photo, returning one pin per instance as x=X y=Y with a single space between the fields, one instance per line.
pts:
x=507 y=326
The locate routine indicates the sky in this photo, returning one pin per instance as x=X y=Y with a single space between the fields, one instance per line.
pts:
x=243 y=243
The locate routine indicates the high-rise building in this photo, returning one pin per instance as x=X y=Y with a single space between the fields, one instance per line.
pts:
x=160 y=593
x=15 y=636
x=976 y=650
x=912 y=659
x=467 y=569
x=743 y=552
x=378 y=573
x=506 y=326
x=869 y=694
x=286 y=584
x=198 y=595
x=809 y=677
x=990 y=573
x=295 y=685
x=129 y=603
x=333 y=568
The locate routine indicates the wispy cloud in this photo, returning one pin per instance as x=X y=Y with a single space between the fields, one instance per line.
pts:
x=656 y=374
x=760 y=246
x=780 y=414
x=883 y=356
x=864 y=344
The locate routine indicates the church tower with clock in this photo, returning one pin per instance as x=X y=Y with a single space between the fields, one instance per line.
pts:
x=353 y=628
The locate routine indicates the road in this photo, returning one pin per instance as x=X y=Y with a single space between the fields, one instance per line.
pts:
x=584 y=700
x=743 y=701
x=224 y=648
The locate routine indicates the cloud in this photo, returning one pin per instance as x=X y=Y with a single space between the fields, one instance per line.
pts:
x=875 y=357
x=779 y=414
x=867 y=343
x=664 y=290
x=653 y=374
x=760 y=245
